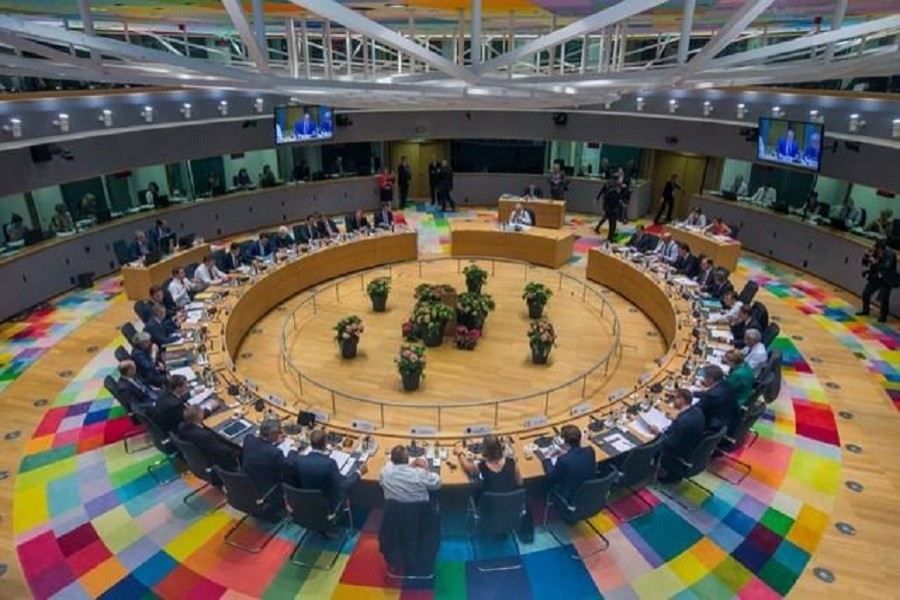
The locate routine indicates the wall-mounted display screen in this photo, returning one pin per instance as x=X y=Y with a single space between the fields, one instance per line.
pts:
x=792 y=143
x=303 y=123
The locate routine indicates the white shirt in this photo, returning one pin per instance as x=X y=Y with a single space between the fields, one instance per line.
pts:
x=180 y=292
x=211 y=276
x=406 y=483
x=765 y=196
x=522 y=218
x=700 y=222
x=670 y=251
x=756 y=356
x=726 y=315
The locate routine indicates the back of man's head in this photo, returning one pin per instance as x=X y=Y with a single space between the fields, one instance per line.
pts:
x=398 y=455
x=193 y=414
x=270 y=429
x=318 y=439
x=571 y=435
x=713 y=373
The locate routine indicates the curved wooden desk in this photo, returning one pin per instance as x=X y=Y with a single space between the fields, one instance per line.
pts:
x=547 y=213
x=724 y=254
x=285 y=281
x=549 y=247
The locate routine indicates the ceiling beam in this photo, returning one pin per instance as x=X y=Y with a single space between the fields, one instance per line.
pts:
x=687 y=24
x=837 y=21
x=334 y=11
x=257 y=53
x=598 y=20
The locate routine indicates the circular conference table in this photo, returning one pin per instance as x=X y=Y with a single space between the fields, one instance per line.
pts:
x=245 y=304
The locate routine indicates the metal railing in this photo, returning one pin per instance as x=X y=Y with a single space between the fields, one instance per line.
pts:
x=349 y=406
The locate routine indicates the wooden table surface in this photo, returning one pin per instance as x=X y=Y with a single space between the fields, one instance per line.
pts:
x=137 y=279
x=548 y=213
x=724 y=254
x=548 y=247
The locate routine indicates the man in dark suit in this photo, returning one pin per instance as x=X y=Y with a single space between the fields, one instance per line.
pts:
x=434 y=171
x=682 y=436
x=264 y=462
x=532 y=191
x=150 y=369
x=261 y=249
x=141 y=246
x=686 y=264
x=308 y=231
x=717 y=401
x=573 y=468
x=384 y=218
x=210 y=443
x=168 y=410
x=318 y=471
x=159 y=333
x=404 y=177
x=744 y=321
x=327 y=228
x=704 y=277
x=445 y=186
x=356 y=222
x=132 y=392
x=613 y=208
x=719 y=285
x=158 y=231
x=641 y=241
x=232 y=259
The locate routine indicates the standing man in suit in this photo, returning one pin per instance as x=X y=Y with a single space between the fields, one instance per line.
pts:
x=881 y=275
x=168 y=410
x=264 y=462
x=384 y=218
x=717 y=401
x=613 y=207
x=308 y=231
x=150 y=368
x=357 y=222
x=318 y=471
x=434 y=171
x=573 y=468
x=559 y=183
x=158 y=231
x=404 y=177
x=210 y=443
x=681 y=437
x=668 y=199
x=445 y=186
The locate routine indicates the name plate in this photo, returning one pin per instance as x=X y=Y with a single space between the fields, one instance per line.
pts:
x=321 y=416
x=277 y=400
x=581 y=409
x=477 y=430
x=366 y=426
x=422 y=430
x=536 y=421
x=617 y=394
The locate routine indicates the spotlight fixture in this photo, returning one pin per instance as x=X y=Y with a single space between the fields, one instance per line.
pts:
x=707 y=108
x=673 y=105
x=14 y=127
x=223 y=108
x=639 y=104
x=258 y=105
x=607 y=105
x=105 y=117
x=741 y=110
x=147 y=114
x=856 y=124
x=294 y=100
x=62 y=122
x=777 y=112
x=816 y=117
x=895 y=128
x=186 y=110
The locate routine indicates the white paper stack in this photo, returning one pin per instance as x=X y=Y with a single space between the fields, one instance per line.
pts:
x=200 y=398
x=286 y=446
x=640 y=428
x=187 y=372
x=619 y=442
x=656 y=418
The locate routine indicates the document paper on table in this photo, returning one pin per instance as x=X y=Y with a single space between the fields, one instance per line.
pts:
x=201 y=397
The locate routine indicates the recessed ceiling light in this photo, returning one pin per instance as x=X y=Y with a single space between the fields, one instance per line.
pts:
x=396 y=5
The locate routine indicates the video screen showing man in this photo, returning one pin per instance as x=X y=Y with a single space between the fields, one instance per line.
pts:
x=790 y=142
x=303 y=123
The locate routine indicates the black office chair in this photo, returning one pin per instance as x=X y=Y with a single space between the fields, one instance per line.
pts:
x=162 y=443
x=497 y=514
x=770 y=333
x=409 y=539
x=190 y=269
x=735 y=231
x=738 y=440
x=695 y=464
x=589 y=500
x=122 y=252
x=862 y=218
x=140 y=308
x=769 y=379
x=241 y=494
x=219 y=257
x=640 y=464
x=531 y=216
x=759 y=312
x=128 y=331
x=748 y=293
x=310 y=510
x=199 y=464
x=168 y=300
x=122 y=354
x=112 y=386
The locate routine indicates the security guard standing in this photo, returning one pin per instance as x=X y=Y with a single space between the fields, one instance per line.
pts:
x=881 y=275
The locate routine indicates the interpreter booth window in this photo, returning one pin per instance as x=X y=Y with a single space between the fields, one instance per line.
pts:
x=358 y=159
x=497 y=156
x=87 y=201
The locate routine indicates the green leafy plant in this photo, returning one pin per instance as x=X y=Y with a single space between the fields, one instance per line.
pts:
x=541 y=335
x=431 y=292
x=475 y=307
x=475 y=275
x=431 y=316
x=380 y=287
x=411 y=359
x=536 y=293
x=348 y=327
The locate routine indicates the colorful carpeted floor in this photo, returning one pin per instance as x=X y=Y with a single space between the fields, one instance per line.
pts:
x=90 y=522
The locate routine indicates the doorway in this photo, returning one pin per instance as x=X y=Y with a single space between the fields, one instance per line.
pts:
x=689 y=168
x=419 y=155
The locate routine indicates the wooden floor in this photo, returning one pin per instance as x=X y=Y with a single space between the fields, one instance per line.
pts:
x=454 y=377
x=863 y=564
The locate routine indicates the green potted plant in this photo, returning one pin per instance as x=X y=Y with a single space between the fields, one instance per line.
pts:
x=475 y=278
x=378 y=290
x=410 y=331
x=466 y=338
x=411 y=365
x=346 y=334
x=427 y=292
x=541 y=338
x=472 y=309
x=431 y=318
x=536 y=296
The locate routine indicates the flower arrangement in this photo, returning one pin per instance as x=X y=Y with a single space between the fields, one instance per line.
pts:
x=431 y=316
x=473 y=309
x=536 y=293
x=411 y=359
x=475 y=278
x=541 y=335
x=348 y=327
x=429 y=292
x=379 y=287
x=466 y=338
x=410 y=331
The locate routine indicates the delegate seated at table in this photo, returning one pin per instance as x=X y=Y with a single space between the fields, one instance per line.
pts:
x=573 y=468
x=520 y=217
